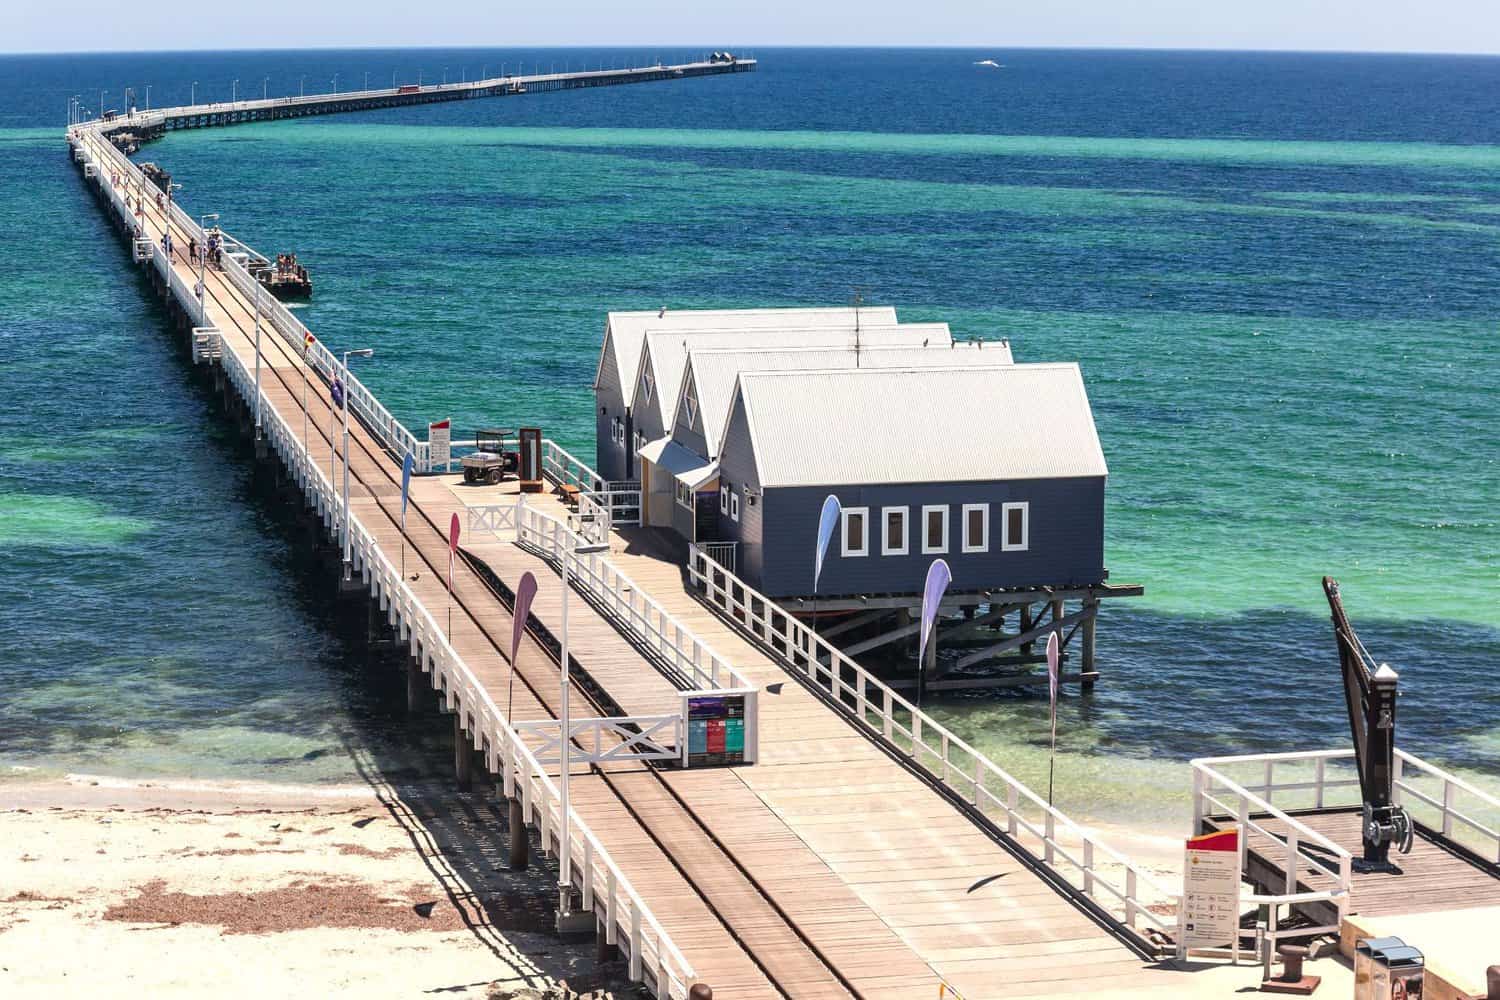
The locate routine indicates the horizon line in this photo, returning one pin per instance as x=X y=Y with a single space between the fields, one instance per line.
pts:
x=944 y=47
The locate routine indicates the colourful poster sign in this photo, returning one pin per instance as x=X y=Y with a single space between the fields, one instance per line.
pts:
x=1211 y=890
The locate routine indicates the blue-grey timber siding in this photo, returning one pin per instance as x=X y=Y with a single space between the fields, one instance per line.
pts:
x=609 y=403
x=737 y=468
x=1065 y=543
x=690 y=435
x=648 y=415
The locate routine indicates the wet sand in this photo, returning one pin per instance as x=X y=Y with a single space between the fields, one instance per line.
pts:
x=154 y=889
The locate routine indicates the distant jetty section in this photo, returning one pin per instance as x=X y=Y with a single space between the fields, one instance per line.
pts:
x=134 y=126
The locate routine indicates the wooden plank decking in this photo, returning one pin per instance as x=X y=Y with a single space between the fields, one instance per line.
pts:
x=825 y=869
x=1432 y=877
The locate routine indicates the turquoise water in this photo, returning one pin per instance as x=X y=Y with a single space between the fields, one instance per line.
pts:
x=1285 y=316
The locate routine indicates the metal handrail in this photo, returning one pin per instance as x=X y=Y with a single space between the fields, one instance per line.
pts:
x=804 y=650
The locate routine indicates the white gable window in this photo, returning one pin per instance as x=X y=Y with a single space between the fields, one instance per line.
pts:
x=856 y=531
x=935 y=530
x=894 y=535
x=617 y=431
x=1016 y=518
x=723 y=498
x=640 y=440
x=648 y=384
x=690 y=406
x=734 y=506
x=976 y=527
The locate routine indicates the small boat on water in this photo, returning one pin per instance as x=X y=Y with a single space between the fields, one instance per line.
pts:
x=988 y=62
x=287 y=279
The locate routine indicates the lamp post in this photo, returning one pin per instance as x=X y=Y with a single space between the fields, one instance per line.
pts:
x=367 y=80
x=257 y=366
x=194 y=101
x=335 y=83
x=234 y=92
x=302 y=85
x=565 y=861
x=102 y=92
x=148 y=97
x=363 y=352
x=265 y=86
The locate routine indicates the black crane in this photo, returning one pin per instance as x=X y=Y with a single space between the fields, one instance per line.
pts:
x=1370 y=694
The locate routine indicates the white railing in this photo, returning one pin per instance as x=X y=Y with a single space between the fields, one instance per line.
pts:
x=1478 y=828
x=612 y=739
x=704 y=672
x=627 y=919
x=496 y=517
x=393 y=435
x=1302 y=853
x=1109 y=879
x=1325 y=779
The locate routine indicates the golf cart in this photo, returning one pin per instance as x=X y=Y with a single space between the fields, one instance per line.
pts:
x=489 y=462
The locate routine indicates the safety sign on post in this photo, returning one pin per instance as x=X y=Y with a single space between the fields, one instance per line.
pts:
x=1211 y=890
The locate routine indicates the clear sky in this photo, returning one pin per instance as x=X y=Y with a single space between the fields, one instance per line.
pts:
x=1348 y=25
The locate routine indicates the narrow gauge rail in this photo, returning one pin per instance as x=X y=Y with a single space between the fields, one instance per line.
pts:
x=772 y=939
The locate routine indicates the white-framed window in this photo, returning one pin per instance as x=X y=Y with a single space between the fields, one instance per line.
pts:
x=640 y=440
x=894 y=536
x=1015 y=526
x=856 y=531
x=618 y=431
x=976 y=527
x=734 y=506
x=723 y=498
x=690 y=405
x=935 y=529
x=648 y=383
x=684 y=494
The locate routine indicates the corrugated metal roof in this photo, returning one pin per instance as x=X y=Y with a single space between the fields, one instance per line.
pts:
x=853 y=427
x=667 y=350
x=628 y=329
x=714 y=369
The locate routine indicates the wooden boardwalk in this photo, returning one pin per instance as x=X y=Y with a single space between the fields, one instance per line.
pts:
x=826 y=869
x=1433 y=877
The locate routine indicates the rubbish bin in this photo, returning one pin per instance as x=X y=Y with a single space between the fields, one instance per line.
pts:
x=1364 y=965
x=1398 y=974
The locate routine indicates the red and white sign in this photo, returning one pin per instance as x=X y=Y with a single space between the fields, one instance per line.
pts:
x=440 y=443
x=1211 y=890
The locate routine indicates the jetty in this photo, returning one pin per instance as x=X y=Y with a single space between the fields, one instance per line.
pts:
x=749 y=812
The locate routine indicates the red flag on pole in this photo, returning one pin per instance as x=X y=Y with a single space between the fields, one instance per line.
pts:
x=452 y=549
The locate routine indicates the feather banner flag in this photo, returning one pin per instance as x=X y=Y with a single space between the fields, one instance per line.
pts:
x=408 y=464
x=1054 y=656
x=452 y=549
x=938 y=578
x=828 y=520
x=525 y=592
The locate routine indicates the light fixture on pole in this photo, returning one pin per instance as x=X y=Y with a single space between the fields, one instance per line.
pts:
x=102 y=92
x=367 y=80
x=302 y=85
x=565 y=857
x=363 y=352
x=234 y=91
x=148 y=97
x=265 y=87
x=194 y=101
x=257 y=365
x=335 y=83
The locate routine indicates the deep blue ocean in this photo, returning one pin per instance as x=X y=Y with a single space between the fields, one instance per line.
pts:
x=1278 y=272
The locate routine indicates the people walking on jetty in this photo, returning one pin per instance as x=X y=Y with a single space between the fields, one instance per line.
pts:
x=166 y=244
x=193 y=248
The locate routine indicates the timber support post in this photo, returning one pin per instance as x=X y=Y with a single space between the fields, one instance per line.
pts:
x=520 y=845
x=414 y=685
x=1086 y=664
x=463 y=754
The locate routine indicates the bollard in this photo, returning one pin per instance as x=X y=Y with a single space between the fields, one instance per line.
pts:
x=1292 y=979
x=700 y=991
x=1492 y=983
